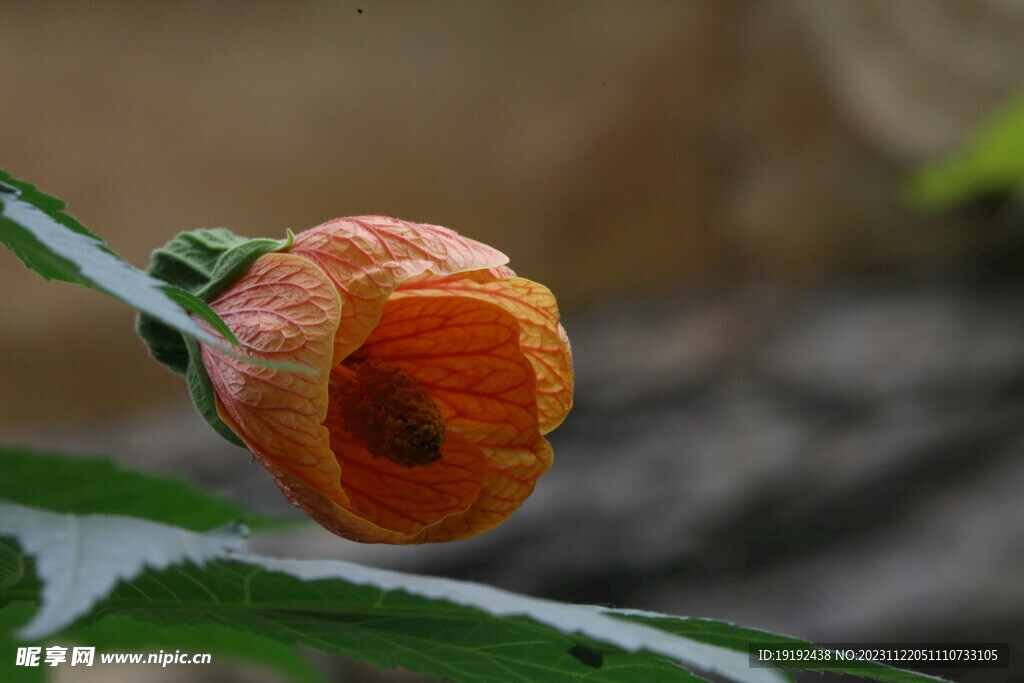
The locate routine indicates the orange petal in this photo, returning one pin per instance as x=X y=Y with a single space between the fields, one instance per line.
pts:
x=489 y=274
x=465 y=353
x=541 y=336
x=328 y=513
x=368 y=256
x=509 y=480
x=285 y=309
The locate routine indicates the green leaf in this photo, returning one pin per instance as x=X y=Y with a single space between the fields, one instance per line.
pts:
x=739 y=638
x=385 y=611
x=386 y=628
x=94 y=485
x=991 y=161
x=58 y=247
x=445 y=628
x=448 y=629
x=12 y=569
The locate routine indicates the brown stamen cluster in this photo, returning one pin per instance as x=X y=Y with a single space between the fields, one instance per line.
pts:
x=391 y=413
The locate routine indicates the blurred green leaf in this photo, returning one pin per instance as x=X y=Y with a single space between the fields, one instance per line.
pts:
x=94 y=485
x=991 y=161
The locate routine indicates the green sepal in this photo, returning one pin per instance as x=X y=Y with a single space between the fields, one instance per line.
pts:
x=189 y=259
x=201 y=390
x=165 y=343
x=235 y=261
x=198 y=265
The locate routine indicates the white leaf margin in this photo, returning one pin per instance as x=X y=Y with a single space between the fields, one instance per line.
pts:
x=80 y=558
x=583 y=619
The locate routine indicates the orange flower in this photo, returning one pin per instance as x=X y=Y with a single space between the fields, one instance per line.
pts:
x=437 y=373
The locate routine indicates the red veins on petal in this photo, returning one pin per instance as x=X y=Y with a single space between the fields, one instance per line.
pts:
x=466 y=354
x=541 y=336
x=509 y=479
x=285 y=309
x=368 y=256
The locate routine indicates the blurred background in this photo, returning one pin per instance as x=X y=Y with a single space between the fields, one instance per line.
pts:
x=800 y=370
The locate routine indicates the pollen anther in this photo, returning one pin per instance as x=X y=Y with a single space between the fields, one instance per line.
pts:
x=390 y=412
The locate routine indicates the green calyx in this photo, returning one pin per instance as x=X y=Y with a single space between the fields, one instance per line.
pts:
x=200 y=264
